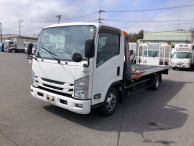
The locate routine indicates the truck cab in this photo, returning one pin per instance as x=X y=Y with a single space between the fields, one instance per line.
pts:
x=183 y=56
x=77 y=85
x=10 y=46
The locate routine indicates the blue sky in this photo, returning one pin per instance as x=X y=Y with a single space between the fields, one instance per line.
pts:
x=39 y=13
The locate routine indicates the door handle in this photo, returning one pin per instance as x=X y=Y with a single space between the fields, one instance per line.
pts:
x=118 y=70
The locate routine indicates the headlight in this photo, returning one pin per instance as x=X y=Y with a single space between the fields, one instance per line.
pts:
x=81 y=88
x=34 y=84
x=187 y=64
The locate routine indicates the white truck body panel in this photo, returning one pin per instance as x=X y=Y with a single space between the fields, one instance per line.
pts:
x=19 y=43
x=152 y=60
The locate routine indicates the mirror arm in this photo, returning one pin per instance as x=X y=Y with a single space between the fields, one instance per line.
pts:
x=88 y=63
x=31 y=56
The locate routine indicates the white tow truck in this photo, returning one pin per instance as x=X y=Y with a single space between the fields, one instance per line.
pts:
x=82 y=66
x=183 y=56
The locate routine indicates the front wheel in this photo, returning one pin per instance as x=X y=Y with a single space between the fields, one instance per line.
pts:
x=110 y=103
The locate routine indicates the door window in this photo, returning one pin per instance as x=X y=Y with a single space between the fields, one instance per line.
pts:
x=108 y=46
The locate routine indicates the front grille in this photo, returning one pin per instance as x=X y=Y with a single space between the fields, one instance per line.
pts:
x=53 y=81
x=55 y=92
x=57 y=88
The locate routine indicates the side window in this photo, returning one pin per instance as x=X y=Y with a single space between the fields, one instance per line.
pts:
x=108 y=47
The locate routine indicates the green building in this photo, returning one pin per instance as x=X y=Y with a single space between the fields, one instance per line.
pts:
x=172 y=37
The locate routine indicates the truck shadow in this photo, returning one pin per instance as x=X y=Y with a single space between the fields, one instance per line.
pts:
x=144 y=112
x=184 y=69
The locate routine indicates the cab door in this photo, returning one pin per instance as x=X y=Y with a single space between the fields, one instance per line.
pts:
x=109 y=61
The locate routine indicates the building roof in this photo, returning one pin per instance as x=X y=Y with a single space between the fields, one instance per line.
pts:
x=7 y=36
x=168 y=32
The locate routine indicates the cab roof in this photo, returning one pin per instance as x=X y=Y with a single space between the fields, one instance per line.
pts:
x=79 y=23
x=72 y=23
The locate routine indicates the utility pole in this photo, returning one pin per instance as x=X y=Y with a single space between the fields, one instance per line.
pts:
x=59 y=17
x=192 y=33
x=179 y=19
x=1 y=31
x=100 y=12
x=20 y=26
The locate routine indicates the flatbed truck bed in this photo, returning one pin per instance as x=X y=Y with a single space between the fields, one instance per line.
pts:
x=149 y=69
x=144 y=76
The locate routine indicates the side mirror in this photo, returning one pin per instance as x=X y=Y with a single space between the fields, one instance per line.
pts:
x=77 y=57
x=29 y=49
x=89 y=48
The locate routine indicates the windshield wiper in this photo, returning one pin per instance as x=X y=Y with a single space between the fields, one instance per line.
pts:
x=52 y=54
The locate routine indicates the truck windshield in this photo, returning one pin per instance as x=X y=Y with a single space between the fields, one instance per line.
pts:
x=151 y=53
x=64 y=41
x=182 y=55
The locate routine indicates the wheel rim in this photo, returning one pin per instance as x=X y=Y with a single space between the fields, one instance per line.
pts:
x=157 y=81
x=111 y=101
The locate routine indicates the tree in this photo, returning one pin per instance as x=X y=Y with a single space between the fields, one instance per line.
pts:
x=134 y=37
x=140 y=35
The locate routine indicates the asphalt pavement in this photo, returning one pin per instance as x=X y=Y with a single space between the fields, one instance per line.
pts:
x=148 y=118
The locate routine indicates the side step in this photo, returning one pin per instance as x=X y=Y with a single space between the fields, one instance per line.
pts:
x=136 y=83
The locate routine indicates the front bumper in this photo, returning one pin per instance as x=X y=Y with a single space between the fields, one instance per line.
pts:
x=77 y=106
x=181 y=65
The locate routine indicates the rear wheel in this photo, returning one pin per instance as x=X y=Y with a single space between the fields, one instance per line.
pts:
x=110 y=103
x=190 y=68
x=173 y=68
x=156 y=82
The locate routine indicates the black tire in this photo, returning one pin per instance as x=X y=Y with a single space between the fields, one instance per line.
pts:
x=173 y=68
x=111 y=98
x=156 y=82
x=190 y=68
